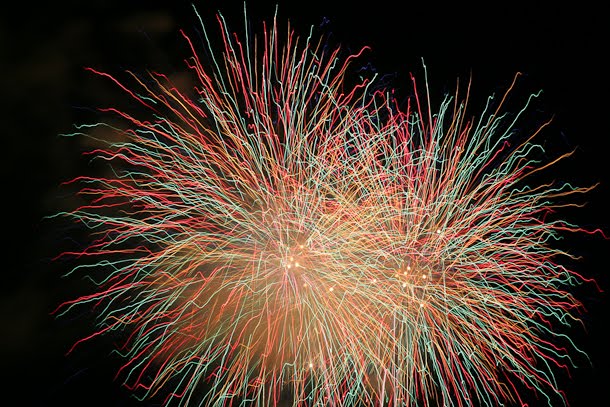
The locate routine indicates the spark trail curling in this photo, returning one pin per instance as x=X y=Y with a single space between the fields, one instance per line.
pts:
x=279 y=236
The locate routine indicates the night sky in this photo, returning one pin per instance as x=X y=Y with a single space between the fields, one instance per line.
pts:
x=559 y=49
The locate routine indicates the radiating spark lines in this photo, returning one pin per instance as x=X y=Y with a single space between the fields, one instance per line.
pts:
x=274 y=235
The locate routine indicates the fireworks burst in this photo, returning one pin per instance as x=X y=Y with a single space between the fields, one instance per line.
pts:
x=277 y=235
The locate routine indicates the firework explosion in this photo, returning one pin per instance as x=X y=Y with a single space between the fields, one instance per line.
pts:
x=275 y=235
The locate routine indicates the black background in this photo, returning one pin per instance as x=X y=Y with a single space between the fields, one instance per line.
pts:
x=560 y=49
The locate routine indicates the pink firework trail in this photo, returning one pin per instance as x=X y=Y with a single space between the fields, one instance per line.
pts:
x=277 y=236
